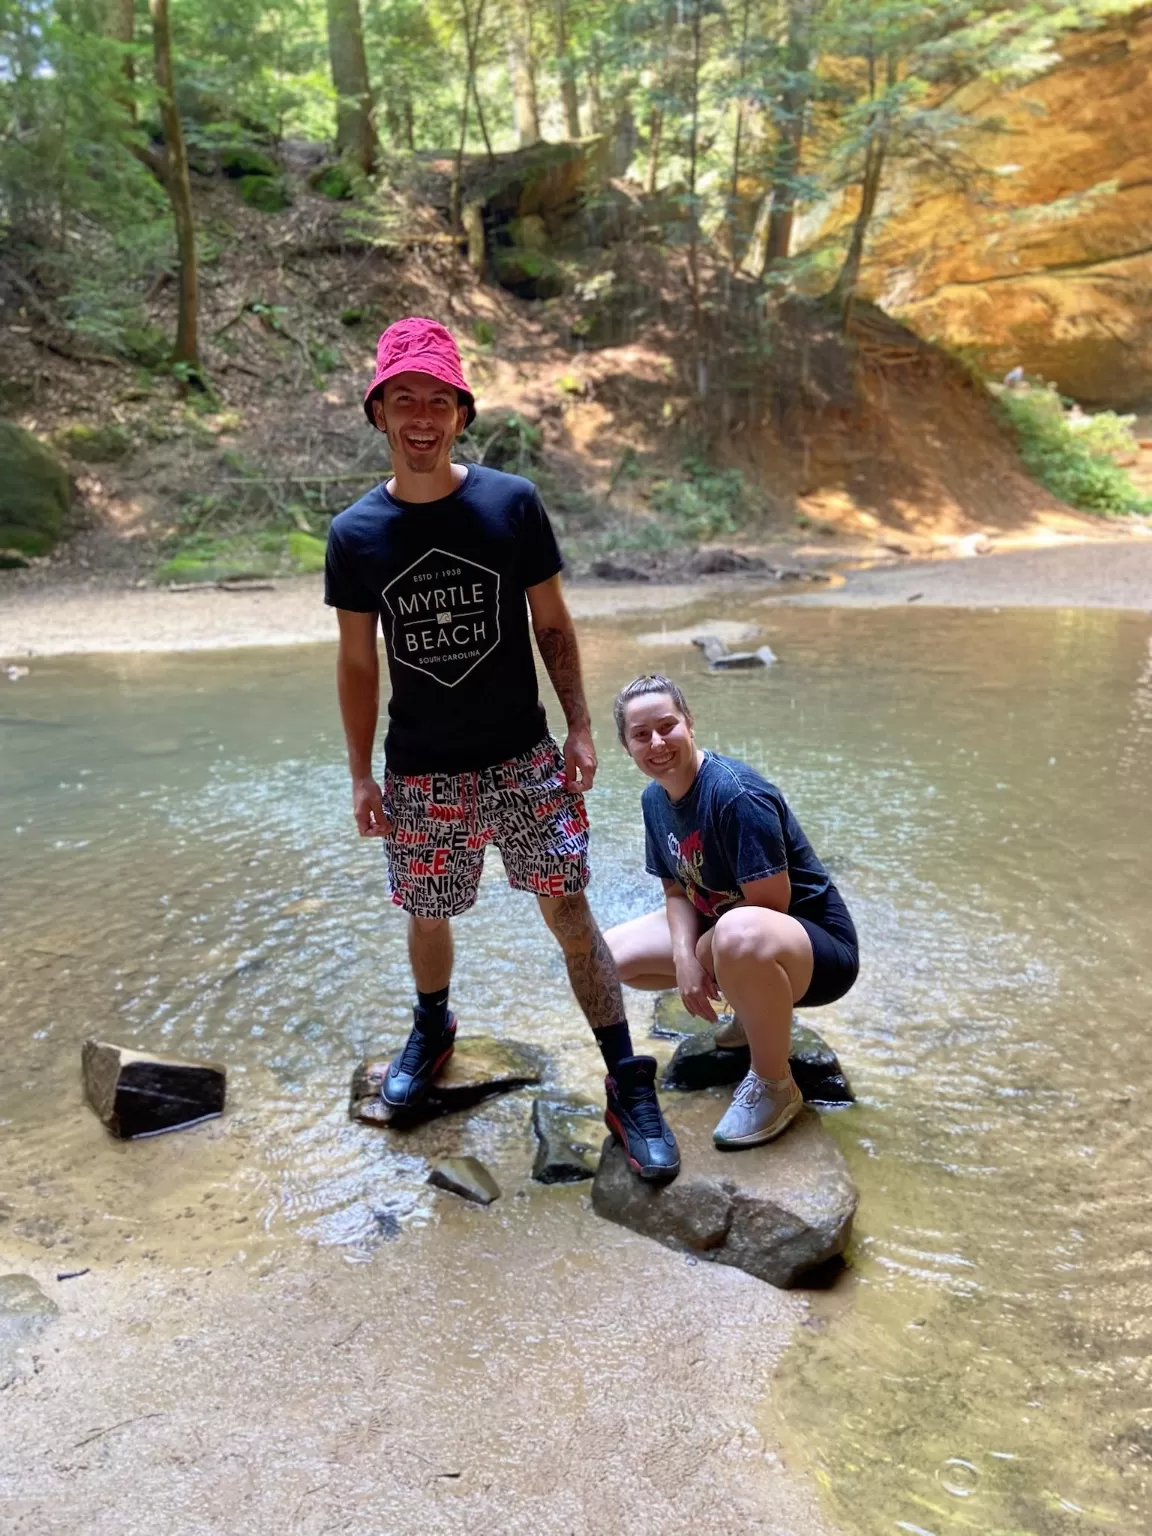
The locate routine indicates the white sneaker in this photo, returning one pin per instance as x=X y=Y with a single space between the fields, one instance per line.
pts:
x=730 y=1033
x=761 y=1108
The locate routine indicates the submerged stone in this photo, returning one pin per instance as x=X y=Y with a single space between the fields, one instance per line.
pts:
x=698 y=1062
x=776 y=1211
x=24 y=1312
x=568 y=1132
x=466 y=1177
x=479 y=1067
x=137 y=1094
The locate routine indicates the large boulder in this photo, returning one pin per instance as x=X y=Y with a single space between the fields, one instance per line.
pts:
x=777 y=1211
x=479 y=1067
x=1054 y=270
x=137 y=1094
x=34 y=492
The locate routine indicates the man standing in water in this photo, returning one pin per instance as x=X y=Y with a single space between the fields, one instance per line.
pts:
x=451 y=560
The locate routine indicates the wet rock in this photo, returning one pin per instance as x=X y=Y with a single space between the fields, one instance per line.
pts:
x=721 y=659
x=698 y=1062
x=776 y=1211
x=466 y=1177
x=568 y=1131
x=618 y=570
x=720 y=562
x=136 y=1094
x=479 y=1067
x=24 y=1312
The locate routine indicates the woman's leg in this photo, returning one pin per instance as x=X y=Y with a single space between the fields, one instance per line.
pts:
x=762 y=962
x=642 y=949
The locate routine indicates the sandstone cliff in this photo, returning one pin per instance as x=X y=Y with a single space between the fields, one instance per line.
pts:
x=1049 y=263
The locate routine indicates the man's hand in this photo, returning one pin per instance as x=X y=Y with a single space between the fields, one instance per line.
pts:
x=698 y=990
x=579 y=760
x=368 y=809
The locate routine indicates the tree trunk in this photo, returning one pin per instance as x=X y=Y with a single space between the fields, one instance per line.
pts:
x=471 y=38
x=120 y=26
x=755 y=262
x=734 y=190
x=596 y=122
x=522 y=70
x=176 y=184
x=844 y=289
x=355 y=113
x=655 y=124
x=568 y=93
x=790 y=114
x=694 y=237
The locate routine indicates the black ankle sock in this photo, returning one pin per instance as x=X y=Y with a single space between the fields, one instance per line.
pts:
x=433 y=1008
x=615 y=1043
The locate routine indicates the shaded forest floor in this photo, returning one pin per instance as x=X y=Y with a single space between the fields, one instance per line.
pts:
x=883 y=448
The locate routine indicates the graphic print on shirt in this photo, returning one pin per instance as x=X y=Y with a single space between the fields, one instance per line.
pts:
x=688 y=862
x=445 y=614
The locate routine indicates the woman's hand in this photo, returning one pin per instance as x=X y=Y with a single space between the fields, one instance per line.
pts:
x=698 y=990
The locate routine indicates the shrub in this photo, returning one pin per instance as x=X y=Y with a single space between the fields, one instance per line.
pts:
x=93 y=445
x=1074 y=456
x=238 y=161
x=706 y=502
x=268 y=193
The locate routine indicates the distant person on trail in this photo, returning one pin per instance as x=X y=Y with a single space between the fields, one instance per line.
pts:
x=749 y=910
x=451 y=560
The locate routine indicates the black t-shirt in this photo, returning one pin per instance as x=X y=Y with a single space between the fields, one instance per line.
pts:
x=732 y=827
x=448 y=578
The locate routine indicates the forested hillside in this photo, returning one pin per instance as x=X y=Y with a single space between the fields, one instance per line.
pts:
x=208 y=209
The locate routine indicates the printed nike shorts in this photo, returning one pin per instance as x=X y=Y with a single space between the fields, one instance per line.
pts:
x=445 y=821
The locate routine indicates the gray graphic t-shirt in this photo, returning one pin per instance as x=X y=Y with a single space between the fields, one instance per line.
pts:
x=448 y=579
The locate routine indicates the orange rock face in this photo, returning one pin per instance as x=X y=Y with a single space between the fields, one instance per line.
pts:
x=1048 y=263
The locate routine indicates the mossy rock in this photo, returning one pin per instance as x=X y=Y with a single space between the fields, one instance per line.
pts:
x=307 y=552
x=528 y=274
x=93 y=445
x=335 y=181
x=240 y=161
x=34 y=492
x=267 y=193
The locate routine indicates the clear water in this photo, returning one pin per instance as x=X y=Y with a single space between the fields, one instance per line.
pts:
x=178 y=870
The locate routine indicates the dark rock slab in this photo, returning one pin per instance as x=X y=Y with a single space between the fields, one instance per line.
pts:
x=698 y=1062
x=479 y=1067
x=776 y=1211
x=569 y=1133
x=24 y=1312
x=137 y=1094
x=466 y=1177
x=721 y=659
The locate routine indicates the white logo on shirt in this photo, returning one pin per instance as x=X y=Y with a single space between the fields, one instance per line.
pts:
x=445 y=614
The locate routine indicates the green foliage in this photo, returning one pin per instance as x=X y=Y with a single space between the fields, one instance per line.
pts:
x=504 y=440
x=352 y=316
x=1074 y=456
x=93 y=445
x=241 y=161
x=269 y=194
x=307 y=552
x=339 y=182
x=34 y=492
x=704 y=503
x=208 y=557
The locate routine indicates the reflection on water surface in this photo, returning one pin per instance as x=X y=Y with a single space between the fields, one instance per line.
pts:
x=179 y=871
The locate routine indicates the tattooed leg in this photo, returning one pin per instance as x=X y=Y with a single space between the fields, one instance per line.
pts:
x=591 y=968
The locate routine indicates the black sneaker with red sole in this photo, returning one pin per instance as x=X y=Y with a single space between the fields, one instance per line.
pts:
x=634 y=1117
x=410 y=1074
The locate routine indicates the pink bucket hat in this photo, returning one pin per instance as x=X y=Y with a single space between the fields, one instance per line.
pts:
x=419 y=346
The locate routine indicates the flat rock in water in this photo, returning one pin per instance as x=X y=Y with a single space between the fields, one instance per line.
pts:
x=466 y=1177
x=24 y=1312
x=777 y=1211
x=698 y=1062
x=479 y=1067
x=569 y=1133
x=137 y=1094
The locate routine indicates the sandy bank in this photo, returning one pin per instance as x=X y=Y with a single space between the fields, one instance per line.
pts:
x=80 y=618
x=528 y=1368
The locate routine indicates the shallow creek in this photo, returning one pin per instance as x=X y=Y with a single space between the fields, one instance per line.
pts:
x=179 y=872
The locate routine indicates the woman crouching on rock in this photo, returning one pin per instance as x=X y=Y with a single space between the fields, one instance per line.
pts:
x=749 y=910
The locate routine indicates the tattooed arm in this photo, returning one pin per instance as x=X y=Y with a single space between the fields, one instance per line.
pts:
x=556 y=639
